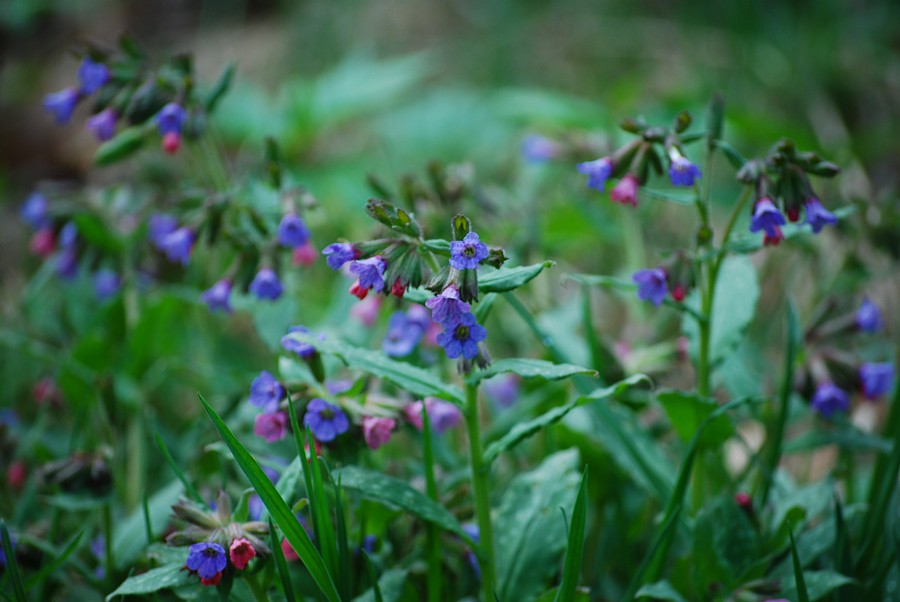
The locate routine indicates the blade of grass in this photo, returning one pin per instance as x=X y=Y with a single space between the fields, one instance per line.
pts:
x=148 y=523
x=177 y=470
x=343 y=548
x=575 y=548
x=304 y=462
x=12 y=566
x=48 y=568
x=376 y=589
x=328 y=541
x=281 y=566
x=277 y=508
x=802 y=594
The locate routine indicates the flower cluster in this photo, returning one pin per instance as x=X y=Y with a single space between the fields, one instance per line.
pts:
x=673 y=277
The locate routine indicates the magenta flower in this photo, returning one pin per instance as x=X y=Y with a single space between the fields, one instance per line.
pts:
x=377 y=431
x=442 y=415
x=626 y=191
x=271 y=426
x=241 y=551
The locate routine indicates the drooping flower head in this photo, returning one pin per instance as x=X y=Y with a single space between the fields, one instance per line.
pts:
x=92 y=75
x=446 y=308
x=876 y=379
x=868 y=317
x=266 y=285
x=403 y=334
x=818 y=216
x=683 y=173
x=217 y=296
x=370 y=273
x=34 y=211
x=61 y=104
x=326 y=421
x=652 y=285
x=626 y=191
x=106 y=284
x=829 y=398
x=468 y=252
x=463 y=338
x=170 y=119
x=266 y=392
x=597 y=171
x=66 y=263
x=292 y=231
x=304 y=350
x=766 y=216
x=177 y=245
x=207 y=559
x=271 y=426
x=159 y=226
x=103 y=124
x=377 y=430
x=241 y=552
x=339 y=253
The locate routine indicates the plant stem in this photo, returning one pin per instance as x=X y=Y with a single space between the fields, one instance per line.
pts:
x=480 y=488
x=434 y=544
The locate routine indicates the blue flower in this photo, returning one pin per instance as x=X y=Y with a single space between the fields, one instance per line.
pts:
x=339 y=253
x=67 y=263
x=103 y=124
x=216 y=297
x=652 y=285
x=467 y=253
x=326 y=421
x=683 y=173
x=766 y=216
x=472 y=531
x=818 y=216
x=597 y=171
x=868 y=317
x=877 y=379
x=68 y=235
x=207 y=559
x=106 y=284
x=304 y=350
x=159 y=226
x=463 y=338
x=92 y=75
x=292 y=232
x=177 y=245
x=403 y=334
x=370 y=272
x=34 y=211
x=12 y=544
x=829 y=399
x=266 y=392
x=170 y=119
x=266 y=285
x=537 y=149
x=446 y=308
x=61 y=104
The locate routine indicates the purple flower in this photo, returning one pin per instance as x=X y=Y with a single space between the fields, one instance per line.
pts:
x=503 y=389
x=106 y=284
x=34 y=211
x=170 y=119
x=467 y=253
x=61 y=104
x=304 y=350
x=537 y=149
x=818 y=216
x=103 y=124
x=216 y=297
x=336 y=387
x=377 y=430
x=652 y=285
x=67 y=263
x=446 y=308
x=339 y=253
x=877 y=379
x=462 y=339
x=68 y=236
x=207 y=559
x=597 y=171
x=92 y=76
x=326 y=421
x=159 y=226
x=473 y=532
x=626 y=191
x=266 y=392
x=442 y=415
x=12 y=544
x=266 y=285
x=177 y=245
x=370 y=272
x=403 y=334
x=868 y=317
x=766 y=216
x=271 y=426
x=683 y=173
x=292 y=231
x=829 y=399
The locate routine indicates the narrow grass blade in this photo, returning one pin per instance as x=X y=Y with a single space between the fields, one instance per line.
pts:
x=148 y=522
x=376 y=589
x=281 y=565
x=278 y=509
x=304 y=462
x=12 y=566
x=55 y=564
x=666 y=531
x=343 y=548
x=177 y=470
x=326 y=538
x=802 y=594
x=575 y=549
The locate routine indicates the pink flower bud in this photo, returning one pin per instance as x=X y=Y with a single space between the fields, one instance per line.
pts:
x=377 y=431
x=171 y=142
x=304 y=255
x=240 y=552
x=43 y=243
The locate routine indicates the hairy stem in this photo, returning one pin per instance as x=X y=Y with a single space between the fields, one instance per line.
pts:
x=480 y=487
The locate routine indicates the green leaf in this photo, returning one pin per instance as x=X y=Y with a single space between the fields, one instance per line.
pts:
x=575 y=547
x=724 y=544
x=49 y=567
x=687 y=411
x=523 y=430
x=661 y=590
x=278 y=509
x=508 y=279
x=177 y=470
x=164 y=577
x=801 y=593
x=679 y=197
x=406 y=376
x=390 y=587
x=530 y=532
x=818 y=584
x=12 y=565
x=126 y=143
x=221 y=87
x=734 y=304
x=529 y=368
x=388 y=490
x=130 y=534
